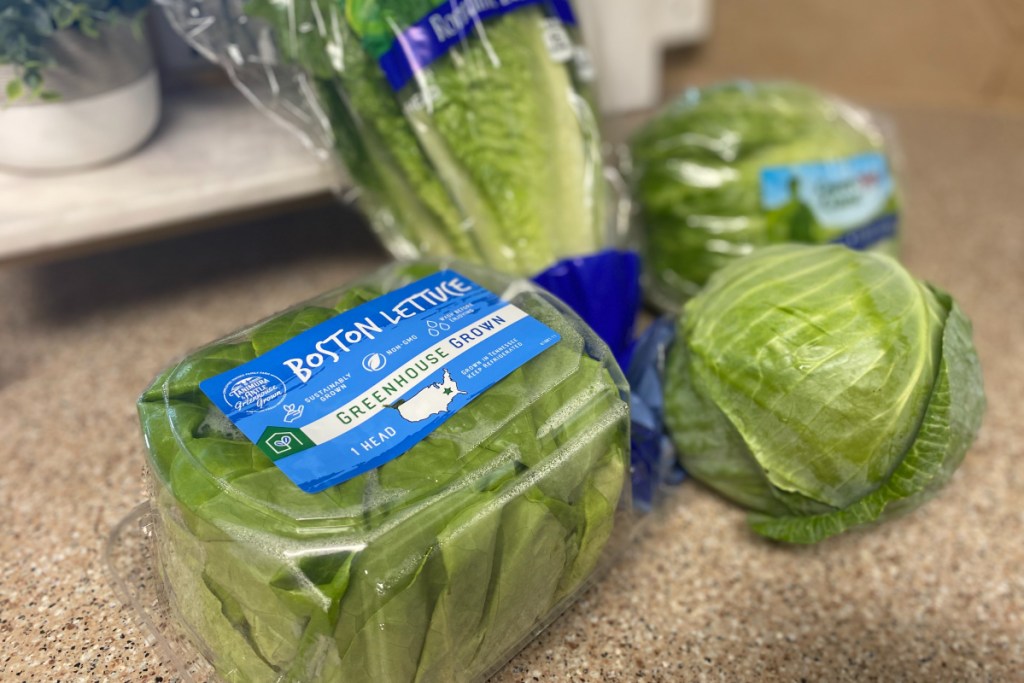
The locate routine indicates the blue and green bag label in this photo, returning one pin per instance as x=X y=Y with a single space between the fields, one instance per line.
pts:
x=364 y=387
x=406 y=46
x=849 y=201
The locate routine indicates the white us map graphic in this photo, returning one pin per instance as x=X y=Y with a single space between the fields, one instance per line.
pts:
x=431 y=400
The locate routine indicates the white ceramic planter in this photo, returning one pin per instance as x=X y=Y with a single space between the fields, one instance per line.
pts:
x=109 y=105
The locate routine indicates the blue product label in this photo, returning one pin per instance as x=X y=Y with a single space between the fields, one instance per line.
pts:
x=362 y=388
x=848 y=201
x=447 y=25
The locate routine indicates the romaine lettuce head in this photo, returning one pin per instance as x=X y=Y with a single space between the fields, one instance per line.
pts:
x=438 y=565
x=822 y=389
x=697 y=177
x=491 y=154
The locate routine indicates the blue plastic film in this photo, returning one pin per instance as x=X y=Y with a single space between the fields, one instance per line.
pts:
x=446 y=26
x=604 y=290
x=653 y=455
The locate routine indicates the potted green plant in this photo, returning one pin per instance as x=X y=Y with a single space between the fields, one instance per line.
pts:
x=77 y=82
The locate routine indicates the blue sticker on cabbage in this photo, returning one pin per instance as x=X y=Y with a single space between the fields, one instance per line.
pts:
x=850 y=201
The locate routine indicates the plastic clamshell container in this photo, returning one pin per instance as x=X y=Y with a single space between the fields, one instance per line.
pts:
x=437 y=566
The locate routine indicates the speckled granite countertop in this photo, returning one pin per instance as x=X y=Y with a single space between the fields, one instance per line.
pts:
x=936 y=596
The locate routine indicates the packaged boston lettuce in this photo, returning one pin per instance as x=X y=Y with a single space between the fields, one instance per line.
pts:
x=402 y=480
x=728 y=169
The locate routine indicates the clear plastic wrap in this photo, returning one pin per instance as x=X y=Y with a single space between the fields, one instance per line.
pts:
x=468 y=126
x=435 y=566
x=733 y=167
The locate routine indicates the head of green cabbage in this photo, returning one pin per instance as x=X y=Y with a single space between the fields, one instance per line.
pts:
x=822 y=389
x=697 y=173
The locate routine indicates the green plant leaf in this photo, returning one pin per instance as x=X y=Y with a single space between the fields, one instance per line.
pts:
x=14 y=89
x=27 y=28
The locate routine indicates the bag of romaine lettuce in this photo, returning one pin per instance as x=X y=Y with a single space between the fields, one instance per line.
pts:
x=468 y=126
x=436 y=565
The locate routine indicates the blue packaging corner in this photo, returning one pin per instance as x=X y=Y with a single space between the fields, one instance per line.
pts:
x=604 y=289
x=653 y=454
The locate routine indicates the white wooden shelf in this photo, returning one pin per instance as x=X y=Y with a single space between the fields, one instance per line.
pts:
x=213 y=155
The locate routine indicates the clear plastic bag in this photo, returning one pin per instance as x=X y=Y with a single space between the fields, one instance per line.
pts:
x=469 y=126
x=730 y=168
x=436 y=566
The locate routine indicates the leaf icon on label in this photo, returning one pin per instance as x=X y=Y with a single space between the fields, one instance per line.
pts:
x=374 y=362
x=278 y=442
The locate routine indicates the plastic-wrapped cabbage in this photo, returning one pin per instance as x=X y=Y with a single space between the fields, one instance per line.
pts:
x=730 y=168
x=435 y=566
x=822 y=389
x=468 y=125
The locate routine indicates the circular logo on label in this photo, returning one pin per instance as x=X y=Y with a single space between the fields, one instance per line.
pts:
x=255 y=392
x=374 y=362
